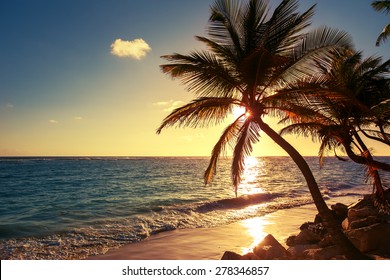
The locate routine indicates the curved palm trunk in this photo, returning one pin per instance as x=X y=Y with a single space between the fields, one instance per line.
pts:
x=330 y=221
x=379 y=191
x=385 y=140
x=384 y=135
x=364 y=160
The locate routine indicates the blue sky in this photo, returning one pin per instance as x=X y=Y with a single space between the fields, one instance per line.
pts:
x=64 y=92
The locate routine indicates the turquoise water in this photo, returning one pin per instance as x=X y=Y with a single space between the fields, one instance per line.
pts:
x=86 y=205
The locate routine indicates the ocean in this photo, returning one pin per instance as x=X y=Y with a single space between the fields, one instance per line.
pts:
x=73 y=207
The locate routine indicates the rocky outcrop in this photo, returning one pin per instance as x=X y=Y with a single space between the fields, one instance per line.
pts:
x=366 y=227
x=268 y=249
x=228 y=255
x=363 y=224
x=271 y=249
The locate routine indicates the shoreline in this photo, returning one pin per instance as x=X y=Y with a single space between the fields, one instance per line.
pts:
x=211 y=243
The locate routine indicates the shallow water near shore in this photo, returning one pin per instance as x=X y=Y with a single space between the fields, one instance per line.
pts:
x=70 y=208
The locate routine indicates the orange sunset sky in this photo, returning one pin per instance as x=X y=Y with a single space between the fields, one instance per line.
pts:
x=82 y=78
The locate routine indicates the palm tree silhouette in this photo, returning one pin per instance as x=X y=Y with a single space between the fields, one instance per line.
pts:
x=382 y=6
x=251 y=53
x=341 y=100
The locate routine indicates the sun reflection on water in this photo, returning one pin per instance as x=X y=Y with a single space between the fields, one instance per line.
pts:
x=253 y=170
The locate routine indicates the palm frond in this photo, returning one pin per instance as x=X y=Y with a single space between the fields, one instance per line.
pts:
x=381 y=6
x=224 y=54
x=383 y=36
x=200 y=112
x=328 y=143
x=248 y=135
x=255 y=15
x=378 y=189
x=382 y=110
x=203 y=73
x=228 y=137
x=303 y=129
x=225 y=19
x=286 y=26
x=315 y=49
x=380 y=136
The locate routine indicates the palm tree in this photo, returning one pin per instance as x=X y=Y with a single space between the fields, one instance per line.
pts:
x=251 y=53
x=382 y=6
x=340 y=101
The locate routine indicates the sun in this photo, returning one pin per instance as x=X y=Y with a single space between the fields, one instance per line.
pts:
x=238 y=111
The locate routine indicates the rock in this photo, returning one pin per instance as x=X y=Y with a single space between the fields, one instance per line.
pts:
x=270 y=249
x=359 y=213
x=345 y=224
x=250 y=256
x=348 y=224
x=326 y=241
x=316 y=228
x=291 y=240
x=341 y=210
x=306 y=236
x=228 y=255
x=366 y=201
x=297 y=252
x=364 y=222
x=328 y=253
x=306 y=225
x=371 y=238
x=271 y=253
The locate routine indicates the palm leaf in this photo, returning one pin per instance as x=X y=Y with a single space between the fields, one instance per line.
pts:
x=224 y=20
x=316 y=49
x=200 y=112
x=203 y=73
x=228 y=136
x=383 y=36
x=248 y=135
x=381 y=6
x=285 y=27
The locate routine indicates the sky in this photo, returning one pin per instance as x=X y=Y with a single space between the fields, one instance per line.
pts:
x=82 y=78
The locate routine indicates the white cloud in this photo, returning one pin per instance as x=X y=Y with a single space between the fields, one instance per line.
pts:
x=169 y=105
x=137 y=48
x=161 y=103
x=53 y=121
x=9 y=105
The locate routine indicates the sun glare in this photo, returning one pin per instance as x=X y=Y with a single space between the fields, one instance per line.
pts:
x=253 y=169
x=255 y=228
x=239 y=111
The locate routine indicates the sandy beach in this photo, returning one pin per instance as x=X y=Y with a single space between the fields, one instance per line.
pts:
x=211 y=243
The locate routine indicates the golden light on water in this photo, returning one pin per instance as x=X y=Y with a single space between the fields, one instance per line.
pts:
x=253 y=169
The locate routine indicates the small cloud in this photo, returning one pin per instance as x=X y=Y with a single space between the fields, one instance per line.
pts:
x=78 y=118
x=170 y=105
x=162 y=103
x=137 y=48
x=9 y=105
x=53 y=121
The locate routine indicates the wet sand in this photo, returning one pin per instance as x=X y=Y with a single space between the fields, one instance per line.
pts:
x=211 y=243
